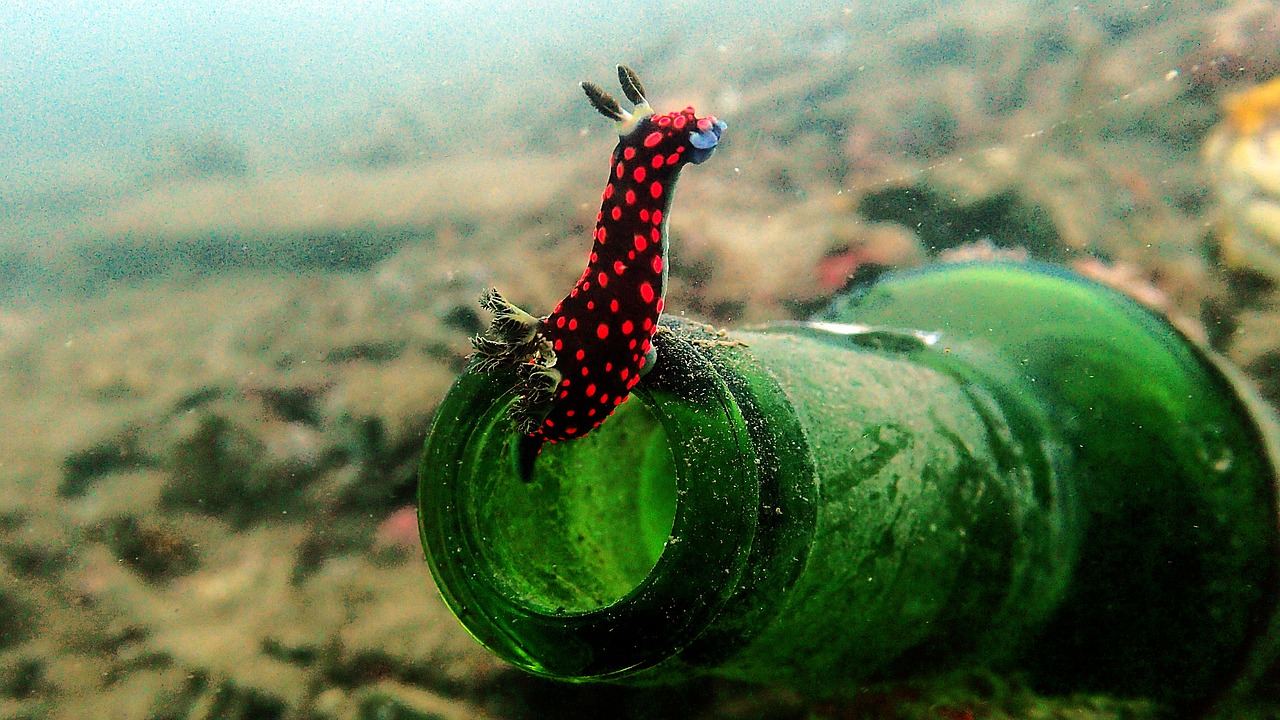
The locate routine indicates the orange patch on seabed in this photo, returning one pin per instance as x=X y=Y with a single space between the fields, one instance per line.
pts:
x=400 y=530
x=887 y=245
x=1250 y=110
x=835 y=271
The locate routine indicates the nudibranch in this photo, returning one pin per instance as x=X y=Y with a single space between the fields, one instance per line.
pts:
x=581 y=361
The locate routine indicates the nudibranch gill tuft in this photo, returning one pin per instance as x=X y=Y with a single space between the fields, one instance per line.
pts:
x=581 y=361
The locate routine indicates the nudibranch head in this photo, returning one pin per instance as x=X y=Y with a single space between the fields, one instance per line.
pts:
x=678 y=132
x=680 y=135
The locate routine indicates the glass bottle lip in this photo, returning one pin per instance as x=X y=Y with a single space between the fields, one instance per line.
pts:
x=717 y=501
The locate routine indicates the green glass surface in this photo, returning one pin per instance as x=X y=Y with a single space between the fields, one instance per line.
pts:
x=930 y=545
x=590 y=523
x=979 y=465
x=1174 y=477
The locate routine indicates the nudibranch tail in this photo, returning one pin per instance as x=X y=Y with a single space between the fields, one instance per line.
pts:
x=580 y=362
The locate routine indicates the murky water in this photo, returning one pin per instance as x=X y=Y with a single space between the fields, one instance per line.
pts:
x=241 y=247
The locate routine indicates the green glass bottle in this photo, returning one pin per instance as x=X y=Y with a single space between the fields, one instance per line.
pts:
x=990 y=465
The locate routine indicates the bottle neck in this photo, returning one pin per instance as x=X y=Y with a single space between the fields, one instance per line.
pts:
x=942 y=531
x=737 y=476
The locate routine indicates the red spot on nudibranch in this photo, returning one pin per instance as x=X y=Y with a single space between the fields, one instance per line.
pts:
x=585 y=371
x=679 y=122
x=657 y=161
x=573 y=323
x=661 y=304
x=613 y=305
x=559 y=345
x=644 y=215
x=616 y=213
x=655 y=190
x=580 y=354
x=631 y=198
x=603 y=280
x=627 y=327
x=624 y=373
x=564 y=394
x=646 y=292
x=602 y=331
x=652 y=139
x=657 y=263
x=639 y=174
x=560 y=321
x=672 y=158
x=641 y=243
x=591 y=390
x=657 y=217
x=704 y=124
x=608 y=191
x=618 y=267
x=619 y=170
x=630 y=152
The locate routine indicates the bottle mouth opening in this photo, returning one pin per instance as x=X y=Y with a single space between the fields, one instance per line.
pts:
x=619 y=547
x=586 y=525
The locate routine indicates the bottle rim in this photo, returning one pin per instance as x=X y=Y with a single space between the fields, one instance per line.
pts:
x=717 y=489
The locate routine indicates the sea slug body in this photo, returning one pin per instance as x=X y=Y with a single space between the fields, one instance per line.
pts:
x=581 y=361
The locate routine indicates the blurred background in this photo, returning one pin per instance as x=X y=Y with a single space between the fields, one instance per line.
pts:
x=241 y=245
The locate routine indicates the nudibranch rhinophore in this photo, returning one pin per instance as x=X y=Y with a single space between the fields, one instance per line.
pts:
x=581 y=361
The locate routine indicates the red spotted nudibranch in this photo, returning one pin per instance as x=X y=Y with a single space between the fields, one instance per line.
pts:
x=581 y=361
